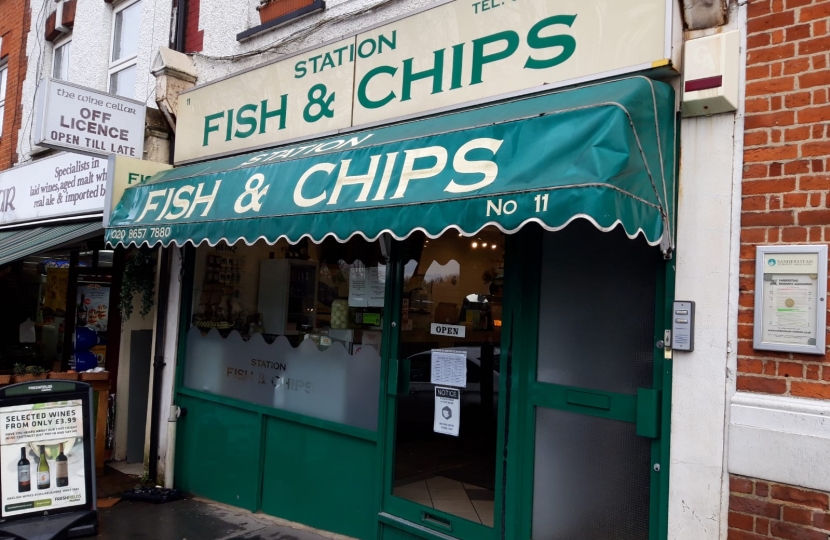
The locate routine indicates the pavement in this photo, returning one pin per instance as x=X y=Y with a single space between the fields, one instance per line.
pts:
x=189 y=519
x=192 y=519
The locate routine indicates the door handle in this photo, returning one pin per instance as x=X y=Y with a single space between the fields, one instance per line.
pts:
x=648 y=412
x=397 y=381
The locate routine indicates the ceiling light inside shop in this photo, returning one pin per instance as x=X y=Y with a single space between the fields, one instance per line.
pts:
x=475 y=245
x=493 y=246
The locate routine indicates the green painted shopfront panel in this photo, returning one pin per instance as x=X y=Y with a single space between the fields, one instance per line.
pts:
x=218 y=452
x=388 y=532
x=320 y=478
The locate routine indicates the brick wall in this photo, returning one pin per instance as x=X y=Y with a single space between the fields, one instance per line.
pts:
x=14 y=27
x=193 y=37
x=786 y=174
x=759 y=509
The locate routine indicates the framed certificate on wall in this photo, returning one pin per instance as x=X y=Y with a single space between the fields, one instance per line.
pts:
x=790 y=298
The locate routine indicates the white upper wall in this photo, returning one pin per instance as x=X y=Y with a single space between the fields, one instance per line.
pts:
x=90 y=53
x=221 y=21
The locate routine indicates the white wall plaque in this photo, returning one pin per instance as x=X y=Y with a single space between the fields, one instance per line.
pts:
x=71 y=117
x=790 y=298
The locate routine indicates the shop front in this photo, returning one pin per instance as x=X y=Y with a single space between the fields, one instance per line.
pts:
x=58 y=281
x=449 y=327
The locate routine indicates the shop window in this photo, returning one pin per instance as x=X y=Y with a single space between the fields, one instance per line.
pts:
x=125 y=36
x=296 y=328
x=39 y=288
x=4 y=76
x=60 y=60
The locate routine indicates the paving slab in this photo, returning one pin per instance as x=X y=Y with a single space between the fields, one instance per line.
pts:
x=190 y=520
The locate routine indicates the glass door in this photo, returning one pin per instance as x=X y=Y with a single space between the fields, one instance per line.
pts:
x=593 y=411
x=444 y=417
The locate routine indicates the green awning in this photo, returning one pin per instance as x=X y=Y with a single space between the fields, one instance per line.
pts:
x=21 y=243
x=604 y=153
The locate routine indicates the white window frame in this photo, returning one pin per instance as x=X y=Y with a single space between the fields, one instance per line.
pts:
x=4 y=82
x=57 y=45
x=121 y=64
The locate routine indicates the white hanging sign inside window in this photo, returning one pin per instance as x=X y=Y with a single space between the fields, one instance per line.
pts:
x=449 y=367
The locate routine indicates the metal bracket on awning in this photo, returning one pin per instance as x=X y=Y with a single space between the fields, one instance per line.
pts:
x=385 y=245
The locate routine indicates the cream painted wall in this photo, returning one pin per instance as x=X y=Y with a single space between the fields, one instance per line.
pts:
x=708 y=241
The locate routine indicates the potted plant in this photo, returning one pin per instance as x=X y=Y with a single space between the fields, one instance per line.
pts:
x=24 y=373
x=139 y=278
x=274 y=9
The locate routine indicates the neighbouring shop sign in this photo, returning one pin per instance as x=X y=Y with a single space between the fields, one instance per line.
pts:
x=71 y=117
x=57 y=186
x=458 y=52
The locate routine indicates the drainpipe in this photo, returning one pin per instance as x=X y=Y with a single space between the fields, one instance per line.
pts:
x=161 y=321
x=158 y=359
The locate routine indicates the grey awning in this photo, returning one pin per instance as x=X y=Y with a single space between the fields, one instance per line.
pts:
x=24 y=242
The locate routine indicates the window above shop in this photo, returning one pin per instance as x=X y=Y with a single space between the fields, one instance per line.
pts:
x=276 y=13
x=4 y=76
x=124 y=48
x=60 y=59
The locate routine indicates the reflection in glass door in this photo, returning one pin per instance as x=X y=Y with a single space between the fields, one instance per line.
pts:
x=445 y=449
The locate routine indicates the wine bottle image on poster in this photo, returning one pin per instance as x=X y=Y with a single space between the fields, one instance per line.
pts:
x=43 y=470
x=42 y=444
x=24 y=473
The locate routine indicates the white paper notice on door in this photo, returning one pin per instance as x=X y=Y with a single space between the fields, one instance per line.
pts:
x=449 y=368
x=377 y=287
x=447 y=411
x=358 y=293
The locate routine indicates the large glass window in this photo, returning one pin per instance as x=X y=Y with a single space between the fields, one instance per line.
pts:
x=37 y=291
x=125 y=36
x=294 y=327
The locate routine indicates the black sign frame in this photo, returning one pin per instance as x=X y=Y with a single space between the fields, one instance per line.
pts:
x=48 y=391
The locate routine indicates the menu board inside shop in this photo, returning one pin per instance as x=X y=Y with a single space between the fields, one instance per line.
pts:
x=790 y=301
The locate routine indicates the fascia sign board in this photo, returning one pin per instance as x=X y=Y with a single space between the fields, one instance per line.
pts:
x=59 y=186
x=474 y=52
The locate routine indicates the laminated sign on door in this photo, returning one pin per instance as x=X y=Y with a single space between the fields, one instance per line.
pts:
x=447 y=411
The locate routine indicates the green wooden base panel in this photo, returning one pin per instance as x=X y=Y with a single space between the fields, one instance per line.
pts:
x=319 y=478
x=218 y=452
x=391 y=533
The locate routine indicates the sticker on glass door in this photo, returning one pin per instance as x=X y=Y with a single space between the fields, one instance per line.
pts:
x=447 y=411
